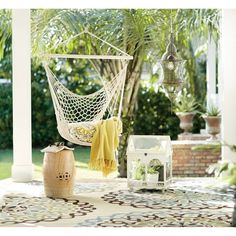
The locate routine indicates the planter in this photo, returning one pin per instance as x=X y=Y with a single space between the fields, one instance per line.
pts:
x=213 y=126
x=152 y=178
x=186 y=121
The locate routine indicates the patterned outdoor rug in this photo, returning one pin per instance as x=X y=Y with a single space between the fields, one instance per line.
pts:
x=187 y=203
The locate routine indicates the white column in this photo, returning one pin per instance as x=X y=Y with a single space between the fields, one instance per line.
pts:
x=211 y=71
x=22 y=169
x=228 y=85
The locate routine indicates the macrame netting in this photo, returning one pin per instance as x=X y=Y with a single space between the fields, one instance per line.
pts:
x=77 y=114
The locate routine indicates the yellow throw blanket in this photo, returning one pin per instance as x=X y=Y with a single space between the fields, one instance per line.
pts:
x=104 y=144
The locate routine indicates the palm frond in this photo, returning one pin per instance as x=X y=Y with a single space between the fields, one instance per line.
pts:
x=5 y=30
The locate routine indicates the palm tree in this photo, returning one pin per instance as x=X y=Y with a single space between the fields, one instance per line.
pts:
x=141 y=33
x=5 y=30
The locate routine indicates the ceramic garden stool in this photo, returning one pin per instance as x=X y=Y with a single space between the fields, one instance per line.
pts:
x=58 y=171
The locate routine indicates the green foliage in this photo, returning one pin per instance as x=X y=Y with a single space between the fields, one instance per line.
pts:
x=153 y=114
x=199 y=21
x=198 y=123
x=228 y=167
x=214 y=147
x=6 y=61
x=231 y=178
x=5 y=31
x=217 y=168
x=152 y=170
x=153 y=166
x=44 y=127
x=139 y=171
x=142 y=32
x=5 y=163
x=6 y=97
x=212 y=110
x=186 y=103
x=5 y=116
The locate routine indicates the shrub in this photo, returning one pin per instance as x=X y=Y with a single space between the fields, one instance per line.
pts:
x=44 y=127
x=5 y=116
x=154 y=115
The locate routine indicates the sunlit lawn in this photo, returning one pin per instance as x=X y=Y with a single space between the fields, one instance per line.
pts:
x=81 y=157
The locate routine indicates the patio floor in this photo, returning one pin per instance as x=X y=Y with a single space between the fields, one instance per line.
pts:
x=189 y=202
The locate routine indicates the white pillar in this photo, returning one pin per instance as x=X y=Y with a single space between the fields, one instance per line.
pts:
x=22 y=169
x=211 y=72
x=228 y=85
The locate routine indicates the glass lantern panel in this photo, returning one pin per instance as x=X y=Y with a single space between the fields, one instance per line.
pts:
x=168 y=170
x=137 y=170
x=172 y=71
x=158 y=144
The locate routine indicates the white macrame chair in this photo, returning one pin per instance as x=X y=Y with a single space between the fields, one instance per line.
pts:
x=77 y=115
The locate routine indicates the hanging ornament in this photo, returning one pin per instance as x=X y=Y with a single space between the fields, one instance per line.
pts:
x=173 y=67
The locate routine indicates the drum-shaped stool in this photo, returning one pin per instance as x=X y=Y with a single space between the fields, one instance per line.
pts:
x=59 y=173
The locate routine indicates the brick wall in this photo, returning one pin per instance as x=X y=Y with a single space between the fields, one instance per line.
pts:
x=192 y=163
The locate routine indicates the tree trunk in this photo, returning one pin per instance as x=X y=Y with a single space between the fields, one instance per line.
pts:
x=129 y=101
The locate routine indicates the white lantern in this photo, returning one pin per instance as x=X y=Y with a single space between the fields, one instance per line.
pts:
x=149 y=162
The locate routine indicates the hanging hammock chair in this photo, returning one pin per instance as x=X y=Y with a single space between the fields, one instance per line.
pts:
x=77 y=115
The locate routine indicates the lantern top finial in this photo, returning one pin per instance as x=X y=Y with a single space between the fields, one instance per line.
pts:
x=171 y=51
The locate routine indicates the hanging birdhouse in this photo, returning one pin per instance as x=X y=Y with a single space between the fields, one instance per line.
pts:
x=172 y=65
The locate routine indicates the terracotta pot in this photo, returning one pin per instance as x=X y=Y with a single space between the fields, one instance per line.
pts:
x=186 y=121
x=213 y=126
x=59 y=174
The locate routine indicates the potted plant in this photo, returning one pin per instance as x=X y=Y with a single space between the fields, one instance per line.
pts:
x=153 y=171
x=185 y=109
x=213 y=120
x=139 y=171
